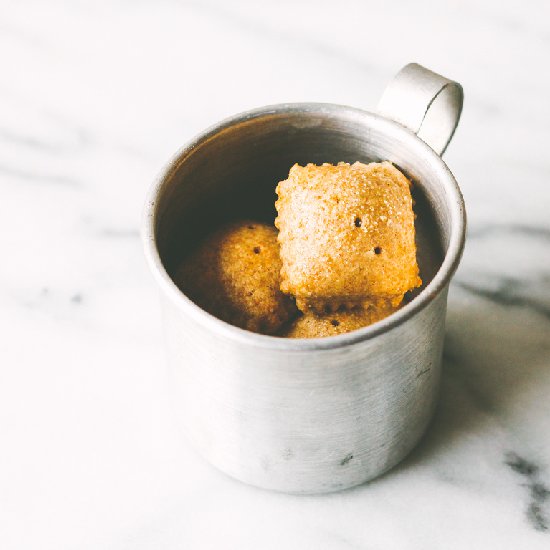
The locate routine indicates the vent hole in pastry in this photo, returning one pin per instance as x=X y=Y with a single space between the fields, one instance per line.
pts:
x=378 y=250
x=357 y=222
x=256 y=250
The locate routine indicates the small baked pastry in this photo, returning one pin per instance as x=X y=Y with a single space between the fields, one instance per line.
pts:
x=311 y=325
x=347 y=236
x=234 y=274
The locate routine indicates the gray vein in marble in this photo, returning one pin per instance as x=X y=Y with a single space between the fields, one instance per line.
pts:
x=509 y=292
x=49 y=146
x=77 y=298
x=490 y=230
x=26 y=141
x=64 y=135
x=34 y=177
x=28 y=102
x=47 y=301
x=537 y=509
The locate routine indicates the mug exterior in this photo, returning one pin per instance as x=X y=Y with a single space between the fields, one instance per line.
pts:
x=306 y=421
x=306 y=415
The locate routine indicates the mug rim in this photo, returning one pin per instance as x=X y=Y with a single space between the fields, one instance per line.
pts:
x=389 y=127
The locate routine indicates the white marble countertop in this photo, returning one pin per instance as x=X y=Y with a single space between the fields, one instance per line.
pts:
x=94 y=98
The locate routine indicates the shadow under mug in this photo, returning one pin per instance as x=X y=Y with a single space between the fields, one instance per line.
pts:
x=309 y=415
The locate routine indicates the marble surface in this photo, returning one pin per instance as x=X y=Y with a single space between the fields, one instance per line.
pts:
x=94 y=98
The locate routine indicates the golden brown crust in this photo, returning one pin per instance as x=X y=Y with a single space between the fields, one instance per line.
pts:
x=346 y=234
x=234 y=274
x=311 y=325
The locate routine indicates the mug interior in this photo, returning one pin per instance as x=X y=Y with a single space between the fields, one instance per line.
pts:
x=232 y=170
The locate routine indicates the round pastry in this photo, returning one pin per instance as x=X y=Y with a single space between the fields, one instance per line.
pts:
x=234 y=274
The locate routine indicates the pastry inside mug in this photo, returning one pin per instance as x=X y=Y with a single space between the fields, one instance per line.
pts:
x=312 y=325
x=345 y=255
x=347 y=236
x=234 y=274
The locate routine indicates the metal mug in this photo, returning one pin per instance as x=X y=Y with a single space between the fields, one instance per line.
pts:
x=324 y=414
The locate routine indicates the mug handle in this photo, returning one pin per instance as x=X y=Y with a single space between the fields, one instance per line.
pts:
x=425 y=102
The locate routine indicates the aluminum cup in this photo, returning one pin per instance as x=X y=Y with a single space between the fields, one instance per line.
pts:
x=309 y=415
